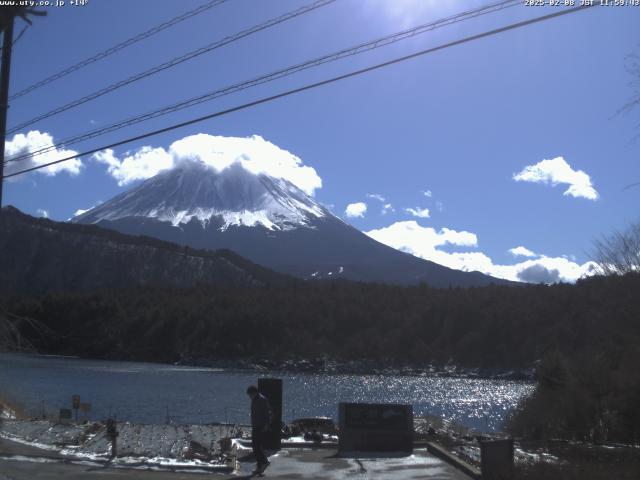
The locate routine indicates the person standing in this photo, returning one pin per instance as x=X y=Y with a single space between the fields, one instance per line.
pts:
x=260 y=422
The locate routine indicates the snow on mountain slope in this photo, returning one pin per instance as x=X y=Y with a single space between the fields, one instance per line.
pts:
x=232 y=197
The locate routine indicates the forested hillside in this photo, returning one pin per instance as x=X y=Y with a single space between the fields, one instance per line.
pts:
x=40 y=255
x=493 y=326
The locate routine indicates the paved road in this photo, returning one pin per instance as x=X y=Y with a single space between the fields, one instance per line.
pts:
x=20 y=463
x=323 y=464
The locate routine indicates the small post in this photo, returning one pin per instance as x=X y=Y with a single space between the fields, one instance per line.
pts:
x=85 y=408
x=112 y=435
x=75 y=403
x=496 y=459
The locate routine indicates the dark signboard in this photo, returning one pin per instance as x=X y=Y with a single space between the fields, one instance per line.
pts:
x=375 y=427
x=75 y=401
x=65 y=414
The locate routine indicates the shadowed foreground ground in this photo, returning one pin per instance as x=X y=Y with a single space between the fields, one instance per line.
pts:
x=20 y=462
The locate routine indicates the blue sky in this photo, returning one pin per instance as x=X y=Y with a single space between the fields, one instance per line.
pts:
x=460 y=123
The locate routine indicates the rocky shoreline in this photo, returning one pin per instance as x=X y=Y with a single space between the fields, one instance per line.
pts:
x=361 y=367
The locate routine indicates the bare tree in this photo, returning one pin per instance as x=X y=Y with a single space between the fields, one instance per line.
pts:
x=11 y=337
x=618 y=253
x=632 y=66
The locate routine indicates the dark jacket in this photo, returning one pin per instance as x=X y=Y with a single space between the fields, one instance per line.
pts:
x=260 y=412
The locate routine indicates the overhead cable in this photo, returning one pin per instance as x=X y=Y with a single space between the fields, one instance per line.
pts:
x=310 y=86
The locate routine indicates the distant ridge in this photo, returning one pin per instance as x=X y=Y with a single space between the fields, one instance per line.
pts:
x=38 y=255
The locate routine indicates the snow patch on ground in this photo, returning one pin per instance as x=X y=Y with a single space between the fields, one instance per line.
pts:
x=161 y=445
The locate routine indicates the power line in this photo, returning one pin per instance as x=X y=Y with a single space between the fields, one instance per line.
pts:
x=361 y=48
x=347 y=52
x=176 y=61
x=116 y=48
x=328 y=81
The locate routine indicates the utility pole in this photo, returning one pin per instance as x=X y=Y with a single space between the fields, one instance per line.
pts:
x=7 y=45
x=7 y=18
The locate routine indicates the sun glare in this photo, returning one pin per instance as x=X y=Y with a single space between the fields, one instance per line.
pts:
x=406 y=12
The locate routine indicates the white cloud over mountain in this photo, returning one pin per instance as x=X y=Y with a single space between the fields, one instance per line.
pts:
x=357 y=209
x=557 y=171
x=33 y=141
x=254 y=153
x=142 y=164
x=424 y=242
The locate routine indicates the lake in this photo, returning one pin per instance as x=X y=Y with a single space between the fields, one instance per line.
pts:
x=155 y=393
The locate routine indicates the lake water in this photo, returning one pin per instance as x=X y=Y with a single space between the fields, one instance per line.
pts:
x=153 y=393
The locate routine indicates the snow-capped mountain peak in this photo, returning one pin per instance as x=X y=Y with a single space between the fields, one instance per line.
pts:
x=232 y=197
x=265 y=219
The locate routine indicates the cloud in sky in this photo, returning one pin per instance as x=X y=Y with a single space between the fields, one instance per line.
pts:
x=21 y=144
x=80 y=211
x=418 y=212
x=557 y=171
x=413 y=238
x=386 y=207
x=522 y=252
x=427 y=193
x=254 y=153
x=424 y=242
x=357 y=209
x=376 y=196
x=41 y=212
x=538 y=273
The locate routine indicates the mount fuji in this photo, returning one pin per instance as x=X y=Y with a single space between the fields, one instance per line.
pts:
x=267 y=220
